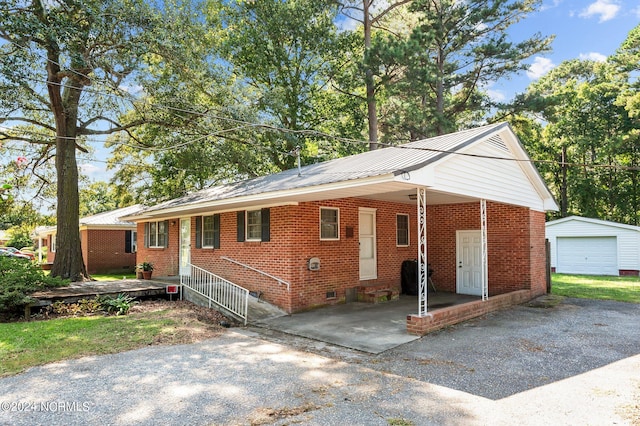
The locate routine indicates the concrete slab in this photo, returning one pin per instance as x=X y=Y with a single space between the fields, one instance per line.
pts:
x=372 y=328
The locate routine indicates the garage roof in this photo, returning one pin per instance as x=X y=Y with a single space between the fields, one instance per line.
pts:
x=593 y=221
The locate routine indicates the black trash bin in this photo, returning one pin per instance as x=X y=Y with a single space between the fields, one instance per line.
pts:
x=409 y=275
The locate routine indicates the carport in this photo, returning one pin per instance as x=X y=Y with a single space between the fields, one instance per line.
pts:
x=372 y=328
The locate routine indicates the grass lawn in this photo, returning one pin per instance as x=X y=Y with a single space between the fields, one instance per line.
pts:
x=113 y=277
x=622 y=289
x=27 y=344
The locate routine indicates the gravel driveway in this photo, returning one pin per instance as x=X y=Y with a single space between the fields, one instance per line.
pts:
x=576 y=363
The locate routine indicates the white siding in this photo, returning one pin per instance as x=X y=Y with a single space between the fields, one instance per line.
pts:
x=491 y=179
x=628 y=238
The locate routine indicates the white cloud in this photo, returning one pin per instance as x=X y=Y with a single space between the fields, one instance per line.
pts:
x=89 y=169
x=496 y=95
x=546 y=6
x=593 y=56
x=540 y=67
x=605 y=9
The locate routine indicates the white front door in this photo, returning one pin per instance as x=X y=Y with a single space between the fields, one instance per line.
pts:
x=469 y=262
x=185 y=246
x=367 y=233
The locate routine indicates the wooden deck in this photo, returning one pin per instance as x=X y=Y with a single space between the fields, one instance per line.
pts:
x=91 y=289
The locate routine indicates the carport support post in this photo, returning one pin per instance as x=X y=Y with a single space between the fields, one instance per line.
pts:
x=422 y=251
x=483 y=239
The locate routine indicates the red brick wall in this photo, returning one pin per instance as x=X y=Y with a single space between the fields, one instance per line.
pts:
x=295 y=238
x=515 y=245
x=441 y=318
x=537 y=253
x=165 y=260
x=515 y=250
x=104 y=251
x=50 y=254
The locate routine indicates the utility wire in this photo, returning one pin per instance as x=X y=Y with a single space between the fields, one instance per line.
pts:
x=243 y=124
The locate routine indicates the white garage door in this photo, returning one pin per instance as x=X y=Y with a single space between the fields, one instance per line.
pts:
x=587 y=255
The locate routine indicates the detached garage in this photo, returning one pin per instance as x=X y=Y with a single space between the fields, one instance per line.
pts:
x=594 y=247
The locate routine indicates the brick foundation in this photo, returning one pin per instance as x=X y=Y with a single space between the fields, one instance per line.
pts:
x=441 y=318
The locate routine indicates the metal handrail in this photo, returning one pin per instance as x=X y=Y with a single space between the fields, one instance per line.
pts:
x=281 y=281
x=218 y=290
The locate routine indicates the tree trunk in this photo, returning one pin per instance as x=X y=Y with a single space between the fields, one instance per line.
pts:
x=372 y=114
x=68 y=262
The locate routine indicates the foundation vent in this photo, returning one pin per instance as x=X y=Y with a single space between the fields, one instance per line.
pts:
x=332 y=294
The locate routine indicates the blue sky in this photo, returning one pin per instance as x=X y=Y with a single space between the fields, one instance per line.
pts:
x=583 y=29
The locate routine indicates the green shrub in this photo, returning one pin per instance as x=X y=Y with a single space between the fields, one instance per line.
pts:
x=18 y=279
x=119 y=305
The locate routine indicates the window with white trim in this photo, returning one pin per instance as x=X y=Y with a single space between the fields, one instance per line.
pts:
x=254 y=225
x=53 y=243
x=329 y=223
x=402 y=230
x=156 y=234
x=134 y=241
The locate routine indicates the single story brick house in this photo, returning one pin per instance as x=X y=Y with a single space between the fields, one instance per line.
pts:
x=581 y=245
x=471 y=205
x=108 y=244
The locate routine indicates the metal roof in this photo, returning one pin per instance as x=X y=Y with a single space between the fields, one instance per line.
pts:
x=112 y=217
x=386 y=161
x=106 y=219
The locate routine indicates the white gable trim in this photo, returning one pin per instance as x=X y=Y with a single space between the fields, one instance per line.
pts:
x=593 y=221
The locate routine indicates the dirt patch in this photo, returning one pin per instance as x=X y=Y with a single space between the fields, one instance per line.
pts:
x=529 y=346
x=182 y=308
x=631 y=411
x=547 y=301
x=191 y=323
x=264 y=416
x=443 y=363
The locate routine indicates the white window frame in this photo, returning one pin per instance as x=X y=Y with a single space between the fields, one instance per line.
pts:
x=337 y=224
x=156 y=234
x=53 y=243
x=134 y=241
x=258 y=225
x=407 y=230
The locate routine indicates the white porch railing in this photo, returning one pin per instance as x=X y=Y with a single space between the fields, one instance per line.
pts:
x=216 y=289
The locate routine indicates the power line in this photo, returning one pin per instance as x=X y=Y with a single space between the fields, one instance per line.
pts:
x=243 y=124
